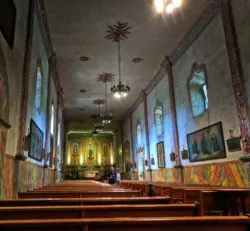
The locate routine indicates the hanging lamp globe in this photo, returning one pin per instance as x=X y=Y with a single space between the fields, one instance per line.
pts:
x=106 y=118
x=120 y=90
x=95 y=132
x=99 y=127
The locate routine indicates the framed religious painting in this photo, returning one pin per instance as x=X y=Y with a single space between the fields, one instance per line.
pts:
x=36 y=142
x=160 y=154
x=206 y=143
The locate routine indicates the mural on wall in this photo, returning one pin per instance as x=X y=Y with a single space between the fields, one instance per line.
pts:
x=206 y=143
x=171 y=175
x=8 y=180
x=30 y=176
x=36 y=142
x=159 y=120
x=161 y=155
x=226 y=174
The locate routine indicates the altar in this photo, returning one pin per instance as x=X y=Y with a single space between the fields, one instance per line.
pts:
x=90 y=174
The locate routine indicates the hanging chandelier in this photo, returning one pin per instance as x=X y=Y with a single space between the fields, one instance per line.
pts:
x=167 y=6
x=95 y=132
x=99 y=126
x=107 y=116
x=116 y=33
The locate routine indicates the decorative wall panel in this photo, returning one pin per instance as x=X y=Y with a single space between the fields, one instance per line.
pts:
x=30 y=176
x=227 y=174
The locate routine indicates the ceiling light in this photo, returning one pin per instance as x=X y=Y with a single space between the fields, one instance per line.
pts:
x=167 y=5
x=177 y=3
x=106 y=117
x=170 y=8
x=116 y=33
x=99 y=127
x=120 y=90
x=84 y=58
x=159 y=5
x=95 y=132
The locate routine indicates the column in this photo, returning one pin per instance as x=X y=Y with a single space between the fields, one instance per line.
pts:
x=236 y=72
x=174 y=116
x=148 y=156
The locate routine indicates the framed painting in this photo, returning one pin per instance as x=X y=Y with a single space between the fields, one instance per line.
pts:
x=206 y=143
x=36 y=142
x=161 y=155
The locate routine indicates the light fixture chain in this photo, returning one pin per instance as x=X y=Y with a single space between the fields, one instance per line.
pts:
x=106 y=103
x=119 y=59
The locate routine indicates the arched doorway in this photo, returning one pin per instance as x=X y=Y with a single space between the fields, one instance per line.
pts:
x=127 y=160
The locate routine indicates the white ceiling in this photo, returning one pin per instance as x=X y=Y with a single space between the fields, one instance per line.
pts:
x=78 y=29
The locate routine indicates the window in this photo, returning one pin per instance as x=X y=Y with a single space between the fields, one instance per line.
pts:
x=204 y=89
x=158 y=119
x=197 y=88
x=52 y=118
x=59 y=135
x=39 y=88
x=139 y=135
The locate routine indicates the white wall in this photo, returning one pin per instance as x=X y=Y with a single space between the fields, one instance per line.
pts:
x=38 y=51
x=14 y=64
x=161 y=93
x=209 y=49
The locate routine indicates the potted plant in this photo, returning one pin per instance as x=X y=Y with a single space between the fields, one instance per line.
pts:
x=20 y=156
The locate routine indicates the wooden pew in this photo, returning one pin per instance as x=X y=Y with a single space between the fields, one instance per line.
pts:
x=132 y=224
x=73 y=194
x=223 y=200
x=85 y=201
x=97 y=211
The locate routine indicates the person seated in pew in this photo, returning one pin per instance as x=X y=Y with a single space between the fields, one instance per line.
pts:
x=151 y=191
x=112 y=176
x=96 y=177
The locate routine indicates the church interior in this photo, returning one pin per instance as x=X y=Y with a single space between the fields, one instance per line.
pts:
x=133 y=111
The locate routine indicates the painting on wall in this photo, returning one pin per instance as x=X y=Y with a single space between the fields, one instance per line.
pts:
x=159 y=119
x=36 y=142
x=161 y=155
x=206 y=143
x=184 y=154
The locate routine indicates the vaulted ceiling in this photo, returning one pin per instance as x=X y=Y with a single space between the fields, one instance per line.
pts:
x=78 y=29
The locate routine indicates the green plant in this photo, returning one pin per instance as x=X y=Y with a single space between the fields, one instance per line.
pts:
x=20 y=156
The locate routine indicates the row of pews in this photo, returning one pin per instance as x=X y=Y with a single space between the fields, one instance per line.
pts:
x=210 y=199
x=94 y=206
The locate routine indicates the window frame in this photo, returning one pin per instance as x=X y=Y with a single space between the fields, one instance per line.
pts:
x=52 y=114
x=39 y=67
x=198 y=68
